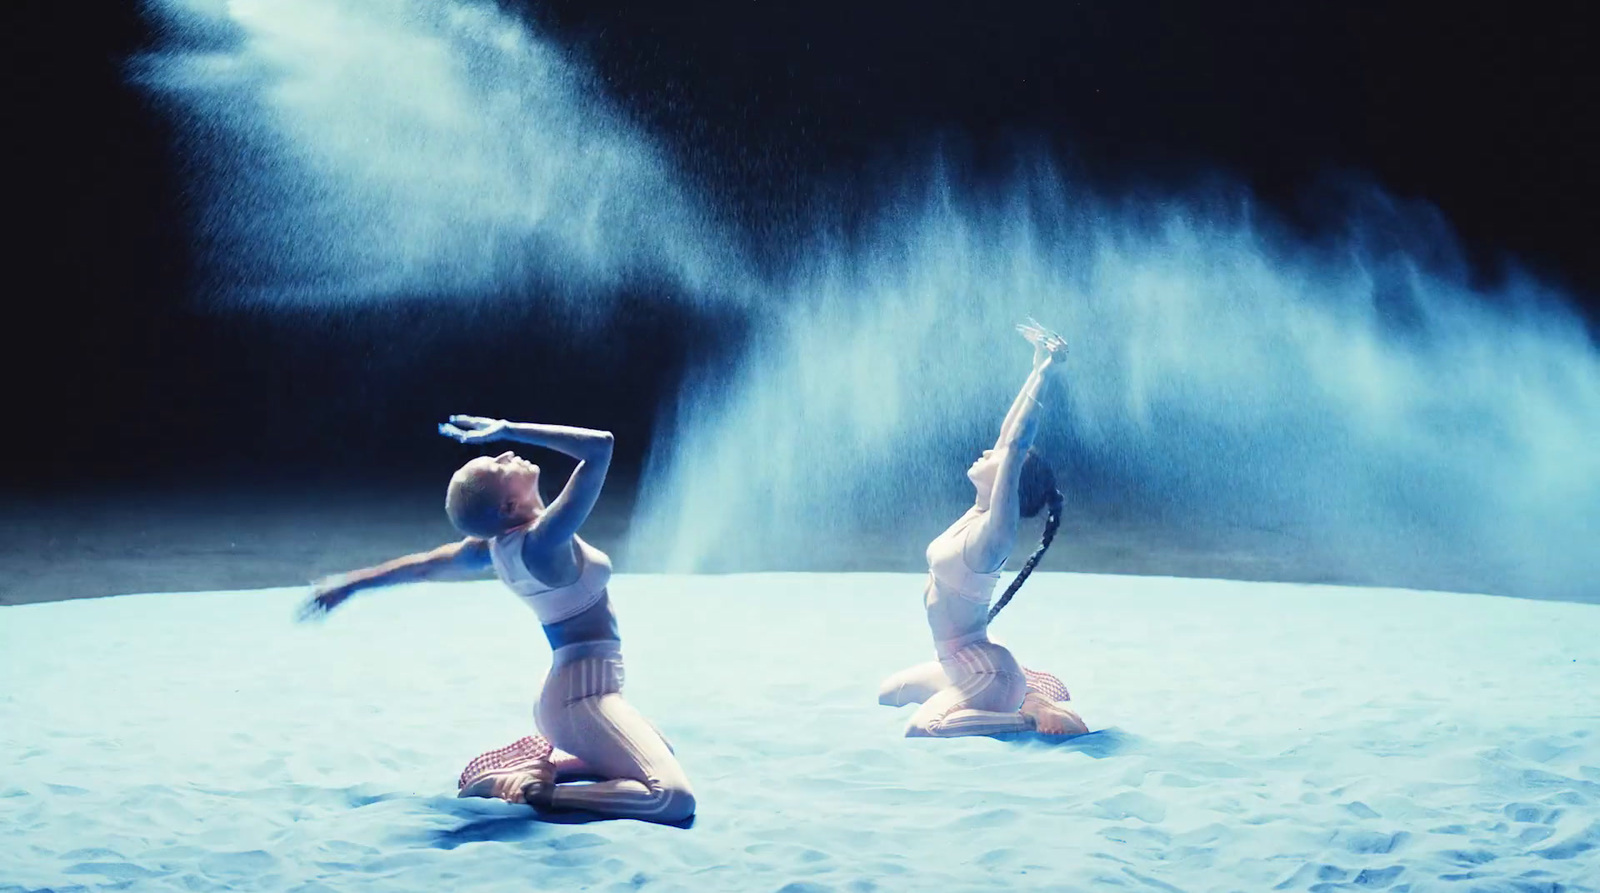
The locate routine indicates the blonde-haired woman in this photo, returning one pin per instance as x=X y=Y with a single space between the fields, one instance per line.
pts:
x=535 y=550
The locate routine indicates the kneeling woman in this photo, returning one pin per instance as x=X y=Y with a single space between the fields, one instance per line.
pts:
x=976 y=687
x=536 y=551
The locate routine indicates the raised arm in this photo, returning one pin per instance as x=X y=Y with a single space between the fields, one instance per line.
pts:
x=1047 y=347
x=591 y=447
x=1028 y=401
x=463 y=559
x=990 y=541
x=568 y=511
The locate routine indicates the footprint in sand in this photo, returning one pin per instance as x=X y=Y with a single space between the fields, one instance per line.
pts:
x=1361 y=810
x=570 y=858
x=1370 y=842
x=987 y=820
x=1132 y=804
x=249 y=863
x=125 y=872
x=1318 y=876
x=1531 y=812
x=1574 y=846
x=1470 y=857
x=1536 y=834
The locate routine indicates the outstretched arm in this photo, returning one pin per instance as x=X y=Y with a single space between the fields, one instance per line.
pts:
x=466 y=558
x=591 y=447
x=1047 y=347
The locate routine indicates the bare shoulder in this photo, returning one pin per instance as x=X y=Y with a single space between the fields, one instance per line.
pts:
x=472 y=552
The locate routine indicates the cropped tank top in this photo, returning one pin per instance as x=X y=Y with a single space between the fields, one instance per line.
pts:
x=552 y=605
x=956 y=597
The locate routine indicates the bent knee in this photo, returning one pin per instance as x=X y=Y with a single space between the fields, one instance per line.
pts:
x=892 y=693
x=677 y=804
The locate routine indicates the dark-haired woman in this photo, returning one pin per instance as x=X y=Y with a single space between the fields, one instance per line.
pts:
x=976 y=687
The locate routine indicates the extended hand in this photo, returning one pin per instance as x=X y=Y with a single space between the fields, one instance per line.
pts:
x=325 y=596
x=473 y=429
x=1047 y=345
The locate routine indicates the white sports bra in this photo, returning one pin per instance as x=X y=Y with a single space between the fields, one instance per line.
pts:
x=562 y=602
x=956 y=597
x=948 y=564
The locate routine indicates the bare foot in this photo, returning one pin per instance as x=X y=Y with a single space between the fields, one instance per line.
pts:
x=1051 y=718
x=530 y=783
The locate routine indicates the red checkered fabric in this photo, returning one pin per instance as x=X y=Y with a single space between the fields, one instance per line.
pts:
x=519 y=752
x=1046 y=684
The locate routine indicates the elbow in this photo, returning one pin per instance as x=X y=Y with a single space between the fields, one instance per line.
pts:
x=604 y=441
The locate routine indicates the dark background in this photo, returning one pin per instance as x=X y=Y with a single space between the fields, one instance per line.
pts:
x=116 y=373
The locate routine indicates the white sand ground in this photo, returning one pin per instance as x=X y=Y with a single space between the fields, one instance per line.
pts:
x=1253 y=737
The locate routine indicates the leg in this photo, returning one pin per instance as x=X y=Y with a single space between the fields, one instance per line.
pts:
x=582 y=712
x=612 y=740
x=570 y=768
x=985 y=699
x=913 y=685
x=567 y=767
x=950 y=714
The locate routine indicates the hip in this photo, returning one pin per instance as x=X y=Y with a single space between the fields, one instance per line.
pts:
x=583 y=670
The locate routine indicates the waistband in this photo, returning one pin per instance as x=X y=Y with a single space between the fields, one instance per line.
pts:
x=947 y=648
x=577 y=651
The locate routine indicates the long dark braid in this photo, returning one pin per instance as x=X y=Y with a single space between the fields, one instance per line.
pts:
x=1051 y=521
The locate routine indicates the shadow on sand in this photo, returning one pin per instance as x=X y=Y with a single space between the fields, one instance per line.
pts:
x=495 y=820
x=1100 y=743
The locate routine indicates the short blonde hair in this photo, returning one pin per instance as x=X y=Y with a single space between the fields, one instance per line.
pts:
x=475 y=503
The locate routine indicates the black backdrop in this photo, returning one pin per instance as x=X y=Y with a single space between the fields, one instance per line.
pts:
x=114 y=372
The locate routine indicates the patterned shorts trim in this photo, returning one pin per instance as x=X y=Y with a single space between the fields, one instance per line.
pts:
x=1046 y=684
x=521 y=752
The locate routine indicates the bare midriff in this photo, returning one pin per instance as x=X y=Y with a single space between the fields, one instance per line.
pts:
x=596 y=623
x=955 y=619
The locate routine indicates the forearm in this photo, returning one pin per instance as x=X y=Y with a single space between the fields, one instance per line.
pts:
x=1027 y=402
x=584 y=444
x=406 y=569
x=450 y=561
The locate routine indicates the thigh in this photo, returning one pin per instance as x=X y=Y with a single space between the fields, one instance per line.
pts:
x=944 y=701
x=987 y=677
x=566 y=686
x=615 y=740
x=913 y=685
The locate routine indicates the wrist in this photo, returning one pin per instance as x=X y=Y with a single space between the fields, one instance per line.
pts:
x=522 y=432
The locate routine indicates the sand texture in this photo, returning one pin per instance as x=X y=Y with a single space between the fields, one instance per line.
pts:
x=1250 y=736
